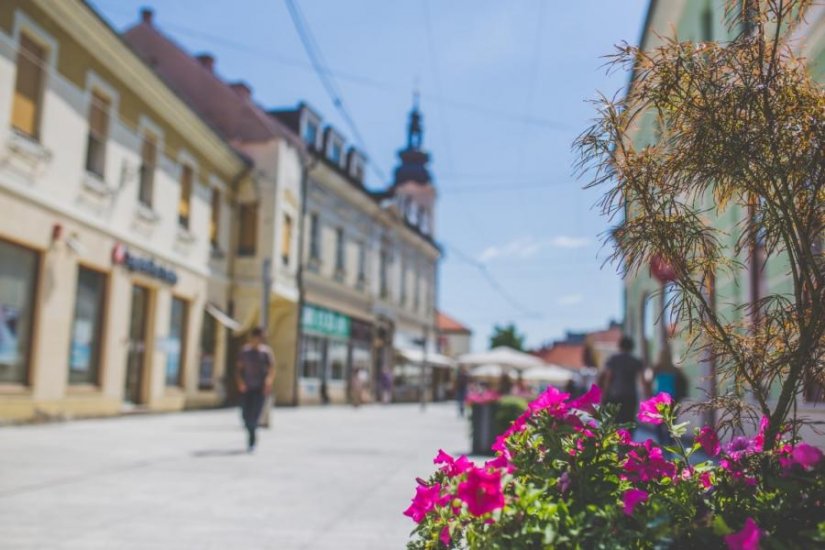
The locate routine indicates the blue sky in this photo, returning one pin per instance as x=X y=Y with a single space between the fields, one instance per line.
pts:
x=503 y=90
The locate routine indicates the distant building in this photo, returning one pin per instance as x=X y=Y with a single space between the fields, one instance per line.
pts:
x=454 y=338
x=582 y=349
x=115 y=229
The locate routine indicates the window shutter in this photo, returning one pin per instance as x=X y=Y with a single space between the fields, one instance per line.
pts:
x=28 y=87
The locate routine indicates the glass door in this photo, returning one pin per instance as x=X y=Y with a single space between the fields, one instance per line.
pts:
x=136 y=360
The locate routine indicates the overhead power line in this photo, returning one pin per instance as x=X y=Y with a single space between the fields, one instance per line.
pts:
x=313 y=51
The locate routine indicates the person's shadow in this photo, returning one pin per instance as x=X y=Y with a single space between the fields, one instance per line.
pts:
x=208 y=453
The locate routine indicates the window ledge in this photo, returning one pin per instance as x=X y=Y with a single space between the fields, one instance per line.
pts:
x=184 y=235
x=146 y=214
x=83 y=389
x=93 y=182
x=27 y=147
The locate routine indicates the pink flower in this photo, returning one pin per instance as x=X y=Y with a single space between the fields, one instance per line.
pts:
x=552 y=401
x=482 y=397
x=481 y=491
x=425 y=499
x=746 y=539
x=452 y=467
x=740 y=447
x=759 y=438
x=709 y=441
x=652 y=410
x=631 y=498
x=445 y=536
x=705 y=480
x=646 y=462
x=501 y=461
x=589 y=400
x=625 y=437
x=806 y=455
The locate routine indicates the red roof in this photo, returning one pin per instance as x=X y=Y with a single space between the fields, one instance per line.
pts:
x=563 y=355
x=445 y=323
x=228 y=108
x=609 y=336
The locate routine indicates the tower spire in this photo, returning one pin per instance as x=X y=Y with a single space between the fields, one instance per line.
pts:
x=415 y=131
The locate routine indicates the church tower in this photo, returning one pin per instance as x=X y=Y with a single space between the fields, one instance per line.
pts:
x=412 y=188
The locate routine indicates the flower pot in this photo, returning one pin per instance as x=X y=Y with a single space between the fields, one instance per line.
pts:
x=483 y=427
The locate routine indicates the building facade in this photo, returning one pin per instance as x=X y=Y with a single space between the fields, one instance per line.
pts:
x=647 y=318
x=369 y=262
x=116 y=212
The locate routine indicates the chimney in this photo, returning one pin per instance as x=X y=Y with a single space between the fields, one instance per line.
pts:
x=146 y=15
x=207 y=60
x=242 y=89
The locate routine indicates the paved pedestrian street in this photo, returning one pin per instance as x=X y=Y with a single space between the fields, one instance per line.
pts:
x=321 y=478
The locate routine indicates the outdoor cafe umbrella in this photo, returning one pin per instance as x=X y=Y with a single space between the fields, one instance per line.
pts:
x=503 y=356
x=486 y=371
x=550 y=374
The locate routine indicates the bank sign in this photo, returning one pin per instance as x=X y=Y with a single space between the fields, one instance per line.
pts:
x=122 y=256
x=324 y=322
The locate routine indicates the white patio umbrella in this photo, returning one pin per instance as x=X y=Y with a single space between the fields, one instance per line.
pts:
x=551 y=374
x=502 y=356
x=488 y=371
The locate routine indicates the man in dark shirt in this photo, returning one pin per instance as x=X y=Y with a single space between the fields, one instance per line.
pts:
x=622 y=375
x=255 y=374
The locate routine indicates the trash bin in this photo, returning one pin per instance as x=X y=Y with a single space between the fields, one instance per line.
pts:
x=483 y=427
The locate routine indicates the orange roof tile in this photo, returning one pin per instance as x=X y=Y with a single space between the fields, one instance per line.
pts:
x=445 y=323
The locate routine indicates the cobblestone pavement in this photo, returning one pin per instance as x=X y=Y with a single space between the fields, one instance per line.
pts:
x=321 y=478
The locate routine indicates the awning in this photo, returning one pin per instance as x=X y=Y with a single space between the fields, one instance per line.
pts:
x=222 y=317
x=416 y=356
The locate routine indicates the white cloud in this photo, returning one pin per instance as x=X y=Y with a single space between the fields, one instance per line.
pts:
x=527 y=247
x=571 y=299
x=563 y=241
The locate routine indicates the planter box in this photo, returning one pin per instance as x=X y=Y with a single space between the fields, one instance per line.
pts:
x=483 y=427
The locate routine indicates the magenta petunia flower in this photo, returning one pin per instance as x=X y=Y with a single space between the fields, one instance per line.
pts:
x=740 y=447
x=452 y=466
x=709 y=441
x=631 y=498
x=553 y=401
x=625 y=437
x=646 y=462
x=589 y=400
x=501 y=461
x=444 y=537
x=806 y=455
x=746 y=539
x=481 y=491
x=425 y=499
x=651 y=411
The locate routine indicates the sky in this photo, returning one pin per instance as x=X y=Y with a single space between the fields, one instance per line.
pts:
x=504 y=90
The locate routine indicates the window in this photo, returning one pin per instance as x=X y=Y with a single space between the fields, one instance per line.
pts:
x=417 y=291
x=28 y=88
x=286 y=239
x=148 y=157
x=335 y=152
x=208 y=351
x=247 y=239
x=98 y=132
x=176 y=342
x=362 y=262
x=312 y=356
x=311 y=133
x=339 y=250
x=18 y=276
x=215 y=218
x=314 y=237
x=84 y=355
x=337 y=356
x=185 y=201
x=403 y=284
x=383 y=268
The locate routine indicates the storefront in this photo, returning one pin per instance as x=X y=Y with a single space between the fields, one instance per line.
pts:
x=332 y=345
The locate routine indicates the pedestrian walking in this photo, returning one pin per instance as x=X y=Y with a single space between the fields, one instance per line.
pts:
x=622 y=374
x=462 y=383
x=505 y=384
x=357 y=386
x=667 y=378
x=386 y=385
x=255 y=375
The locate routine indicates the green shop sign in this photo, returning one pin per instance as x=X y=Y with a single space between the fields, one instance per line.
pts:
x=324 y=322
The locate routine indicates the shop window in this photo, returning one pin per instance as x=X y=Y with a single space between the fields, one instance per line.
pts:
x=18 y=276
x=208 y=351
x=27 y=105
x=215 y=219
x=248 y=237
x=87 y=328
x=148 y=161
x=314 y=237
x=337 y=357
x=312 y=356
x=286 y=239
x=185 y=201
x=98 y=134
x=176 y=342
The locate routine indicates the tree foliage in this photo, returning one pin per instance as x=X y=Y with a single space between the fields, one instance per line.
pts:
x=740 y=125
x=507 y=336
